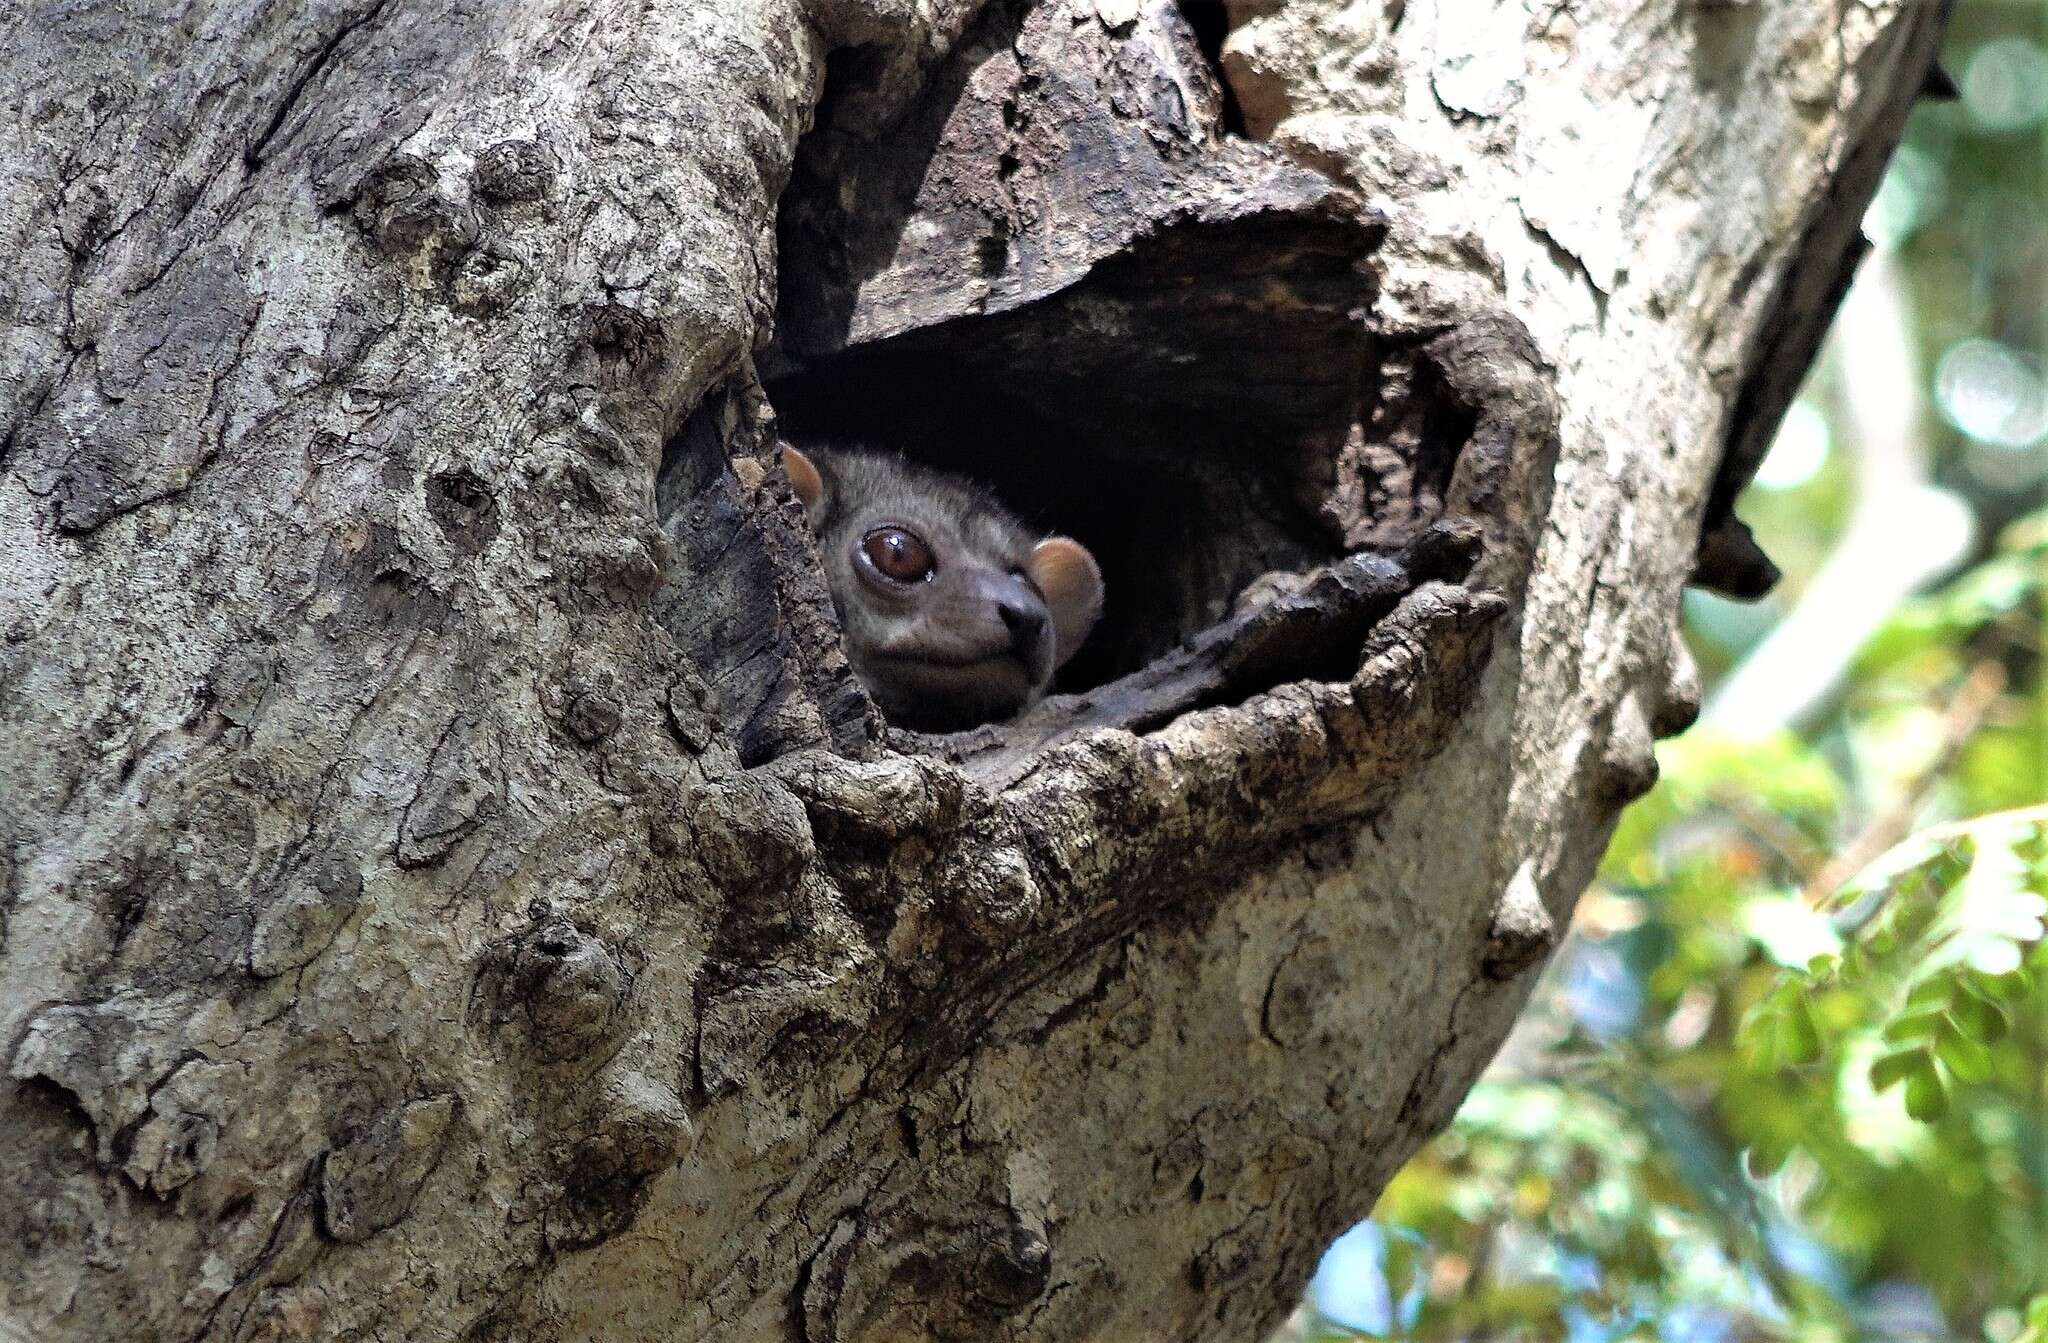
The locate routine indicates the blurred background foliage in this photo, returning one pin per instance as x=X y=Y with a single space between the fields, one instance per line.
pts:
x=1788 y=1079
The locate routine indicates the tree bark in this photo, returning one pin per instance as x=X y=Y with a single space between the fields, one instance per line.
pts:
x=450 y=884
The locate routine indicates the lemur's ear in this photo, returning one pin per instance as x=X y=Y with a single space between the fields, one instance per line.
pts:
x=1071 y=582
x=805 y=480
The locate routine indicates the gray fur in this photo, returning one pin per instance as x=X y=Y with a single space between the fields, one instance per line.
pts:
x=937 y=655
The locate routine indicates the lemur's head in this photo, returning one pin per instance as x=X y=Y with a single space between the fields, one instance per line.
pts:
x=954 y=612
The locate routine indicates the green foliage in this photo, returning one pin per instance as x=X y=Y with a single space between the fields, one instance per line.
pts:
x=2035 y=1329
x=1763 y=1096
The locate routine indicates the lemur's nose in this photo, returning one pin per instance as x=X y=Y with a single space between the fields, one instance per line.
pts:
x=1025 y=618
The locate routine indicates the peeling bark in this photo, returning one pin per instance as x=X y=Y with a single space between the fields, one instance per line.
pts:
x=451 y=886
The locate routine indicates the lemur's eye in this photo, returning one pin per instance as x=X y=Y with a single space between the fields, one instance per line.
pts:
x=898 y=554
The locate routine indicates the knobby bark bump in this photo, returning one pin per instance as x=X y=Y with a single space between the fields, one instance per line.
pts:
x=452 y=887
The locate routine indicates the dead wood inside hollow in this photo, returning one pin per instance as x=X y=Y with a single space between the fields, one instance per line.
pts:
x=1060 y=274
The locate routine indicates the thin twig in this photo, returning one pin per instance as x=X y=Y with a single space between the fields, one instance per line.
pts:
x=1806 y=858
x=1966 y=713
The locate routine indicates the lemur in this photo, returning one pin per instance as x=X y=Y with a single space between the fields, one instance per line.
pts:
x=954 y=612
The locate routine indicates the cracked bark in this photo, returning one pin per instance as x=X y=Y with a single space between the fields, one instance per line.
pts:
x=450 y=886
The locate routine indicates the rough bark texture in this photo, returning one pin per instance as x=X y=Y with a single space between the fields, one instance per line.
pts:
x=451 y=887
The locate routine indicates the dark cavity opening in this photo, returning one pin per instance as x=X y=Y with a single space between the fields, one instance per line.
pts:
x=1147 y=418
x=1209 y=20
x=1168 y=371
x=1055 y=273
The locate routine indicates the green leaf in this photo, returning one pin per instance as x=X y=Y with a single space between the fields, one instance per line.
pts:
x=1914 y=1026
x=1767 y=1157
x=2036 y=1330
x=1781 y=1031
x=1892 y=1069
x=1929 y=997
x=1968 y=1059
x=1926 y=1096
x=1806 y=1041
x=1798 y=1042
x=1978 y=1015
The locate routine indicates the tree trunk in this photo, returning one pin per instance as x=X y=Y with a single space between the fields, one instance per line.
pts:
x=452 y=886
